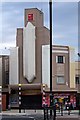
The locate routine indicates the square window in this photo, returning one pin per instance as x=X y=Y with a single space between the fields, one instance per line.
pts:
x=60 y=59
x=60 y=80
x=77 y=80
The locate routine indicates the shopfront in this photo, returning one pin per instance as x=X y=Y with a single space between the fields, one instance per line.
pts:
x=63 y=98
x=30 y=96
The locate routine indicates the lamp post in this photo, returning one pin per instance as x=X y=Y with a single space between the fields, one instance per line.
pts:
x=79 y=92
x=51 y=97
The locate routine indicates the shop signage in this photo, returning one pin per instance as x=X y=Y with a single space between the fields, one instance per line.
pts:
x=46 y=102
x=30 y=17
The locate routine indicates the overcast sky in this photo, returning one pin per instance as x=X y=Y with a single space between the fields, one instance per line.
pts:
x=65 y=21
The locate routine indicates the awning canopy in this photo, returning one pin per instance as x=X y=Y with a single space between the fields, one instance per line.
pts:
x=26 y=86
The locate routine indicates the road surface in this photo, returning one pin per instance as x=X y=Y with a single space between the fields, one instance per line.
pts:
x=38 y=117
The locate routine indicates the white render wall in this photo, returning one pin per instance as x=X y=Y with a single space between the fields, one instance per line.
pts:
x=29 y=52
x=14 y=66
x=46 y=65
x=72 y=67
x=0 y=70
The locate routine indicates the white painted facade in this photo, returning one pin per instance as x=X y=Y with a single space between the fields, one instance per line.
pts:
x=72 y=67
x=46 y=65
x=29 y=52
x=0 y=70
x=14 y=66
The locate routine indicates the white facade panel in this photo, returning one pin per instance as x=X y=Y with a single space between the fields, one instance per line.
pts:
x=72 y=54
x=46 y=65
x=72 y=67
x=29 y=52
x=1 y=71
x=59 y=51
x=14 y=66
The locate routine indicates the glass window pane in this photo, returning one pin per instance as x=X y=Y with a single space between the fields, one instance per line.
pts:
x=60 y=79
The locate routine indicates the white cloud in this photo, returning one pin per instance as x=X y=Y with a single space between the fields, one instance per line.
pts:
x=11 y=19
x=10 y=40
x=16 y=11
x=58 y=36
x=4 y=52
x=7 y=45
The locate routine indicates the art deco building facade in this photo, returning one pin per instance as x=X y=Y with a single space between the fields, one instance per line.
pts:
x=27 y=56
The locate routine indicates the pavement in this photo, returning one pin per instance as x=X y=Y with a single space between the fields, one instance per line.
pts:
x=36 y=115
x=68 y=117
x=39 y=117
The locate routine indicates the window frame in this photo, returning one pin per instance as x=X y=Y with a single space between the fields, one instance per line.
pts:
x=60 y=61
x=61 y=83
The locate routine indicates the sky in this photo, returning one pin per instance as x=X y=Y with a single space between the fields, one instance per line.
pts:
x=65 y=21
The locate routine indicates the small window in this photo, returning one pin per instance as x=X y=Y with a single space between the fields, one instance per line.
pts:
x=60 y=80
x=77 y=80
x=60 y=59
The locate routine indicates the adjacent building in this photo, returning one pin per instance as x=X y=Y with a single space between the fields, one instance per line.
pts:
x=63 y=73
x=4 y=80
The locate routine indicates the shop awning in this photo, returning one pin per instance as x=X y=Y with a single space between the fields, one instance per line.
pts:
x=26 y=86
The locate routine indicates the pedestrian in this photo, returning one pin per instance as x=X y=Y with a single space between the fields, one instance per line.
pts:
x=61 y=109
x=54 y=110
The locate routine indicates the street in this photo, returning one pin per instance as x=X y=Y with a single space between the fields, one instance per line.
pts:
x=38 y=117
x=14 y=117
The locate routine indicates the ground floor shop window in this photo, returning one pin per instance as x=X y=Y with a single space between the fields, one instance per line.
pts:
x=13 y=100
x=65 y=100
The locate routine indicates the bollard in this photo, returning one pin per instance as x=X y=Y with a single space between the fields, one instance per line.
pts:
x=47 y=114
x=68 y=112
x=24 y=110
x=44 y=115
x=79 y=108
x=19 y=98
x=54 y=110
x=61 y=110
x=79 y=111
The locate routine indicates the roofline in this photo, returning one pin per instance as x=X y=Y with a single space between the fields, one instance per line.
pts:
x=60 y=46
x=5 y=55
x=34 y=8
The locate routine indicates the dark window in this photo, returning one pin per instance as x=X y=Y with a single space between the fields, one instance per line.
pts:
x=60 y=59
x=7 y=71
x=77 y=80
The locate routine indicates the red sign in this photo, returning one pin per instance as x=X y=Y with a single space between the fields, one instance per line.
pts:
x=46 y=101
x=30 y=16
